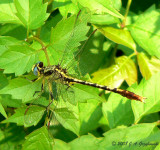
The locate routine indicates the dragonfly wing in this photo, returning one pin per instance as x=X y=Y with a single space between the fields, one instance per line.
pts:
x=66 y=93
x=77 y=35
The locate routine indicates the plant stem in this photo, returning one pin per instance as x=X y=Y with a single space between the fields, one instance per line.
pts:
x=126 y=13
x=50 y=2
x=44 y=48
x=38 y=32
x=114 y=54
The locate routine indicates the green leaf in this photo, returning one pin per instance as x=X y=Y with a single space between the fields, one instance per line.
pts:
x=81 y=118
x=3 y=80
x=21 y=88
x=65 y=7
x=118 y=111
x=14 y=30
x=17 y=117
x=150 y=118
x=8 y=139
x=2 y=111
x=116 y=104
x=119 y=36
x=152 y=104
x=31 y=13
x=18 y=59
x=66 y=118
x=132 y=136
x=90 y=114
x=8 y=12
x=7 y=41
x=33 y=115
x=7 y=101
x=93 y=50
x=59 y=144
x=146 y=31
x=27 y=116
x=148 y=66
x=104 y=19
x=67 y=35
x=113 y=139
x=85 y=142
x=124 y=69
x=39 y=140
x=101 y=7
x=83 y=93
x=46 y=28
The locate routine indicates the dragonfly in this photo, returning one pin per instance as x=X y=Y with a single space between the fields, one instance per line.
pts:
x=58 y=74
x=61 y=75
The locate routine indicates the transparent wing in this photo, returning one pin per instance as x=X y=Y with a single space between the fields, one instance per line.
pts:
x=66 y=93
x=61 y=112
x=71 y=55
x=78 y=34
x=66 y=38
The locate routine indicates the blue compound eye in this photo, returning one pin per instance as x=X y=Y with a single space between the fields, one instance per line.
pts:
x=37 y=67
x=35 y=71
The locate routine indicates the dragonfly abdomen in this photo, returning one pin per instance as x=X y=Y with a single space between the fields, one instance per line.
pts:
x=124 y=93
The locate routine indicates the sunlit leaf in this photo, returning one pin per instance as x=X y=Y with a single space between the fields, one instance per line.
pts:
x=146 y=33
x=65 y=7
x=134 y=134
x=7 y=41
x=124 y=69
x=73 y=118
x=148 y=66
x=59 y=144
x=39 y=139
x=119 y=36
x=66 y=118
x=101 y=7
x=31 y=13
x=112 y=139
x=104 y=19
x=8 y=12
x=2 y=111
x=18 y=59
x=33 y=115
x=117 y=104
x=152 y=104
x=118 y=111
x=62 y=32
x=21 y=88
x=91 y=142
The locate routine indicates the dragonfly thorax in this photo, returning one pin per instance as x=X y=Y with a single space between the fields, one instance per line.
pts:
x=53 y=72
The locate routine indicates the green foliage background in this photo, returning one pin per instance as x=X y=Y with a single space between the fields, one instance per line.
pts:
x=124 y=52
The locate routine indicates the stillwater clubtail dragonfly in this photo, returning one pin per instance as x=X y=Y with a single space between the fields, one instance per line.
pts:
x=57 y=74
x=62 y=75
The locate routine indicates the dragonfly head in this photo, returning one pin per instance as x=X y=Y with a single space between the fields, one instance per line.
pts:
x=37 y=68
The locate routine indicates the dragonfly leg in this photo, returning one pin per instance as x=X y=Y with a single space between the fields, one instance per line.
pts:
x=68 y=86
x=36 y=79
x=51 y=94
x=42 y=87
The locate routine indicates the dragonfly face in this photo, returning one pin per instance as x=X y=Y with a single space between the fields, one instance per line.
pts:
x=37 y=68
